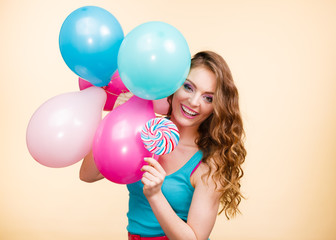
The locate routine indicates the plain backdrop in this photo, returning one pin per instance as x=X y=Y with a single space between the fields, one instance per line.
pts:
x=282 y=56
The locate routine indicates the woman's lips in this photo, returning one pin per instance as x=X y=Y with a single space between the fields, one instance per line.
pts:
x=187 y=112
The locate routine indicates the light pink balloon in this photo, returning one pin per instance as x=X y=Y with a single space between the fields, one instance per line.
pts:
x=117 y=148
x=161 y=106
x=113 y=89
x=61 y=131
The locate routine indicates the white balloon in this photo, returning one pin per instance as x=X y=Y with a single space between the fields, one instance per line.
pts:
x=61 y=131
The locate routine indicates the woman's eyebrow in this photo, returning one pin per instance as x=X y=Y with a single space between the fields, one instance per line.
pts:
x=191 y=82
x=196 y=86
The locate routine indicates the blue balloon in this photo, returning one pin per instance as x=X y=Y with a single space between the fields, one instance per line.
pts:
x=89 y=41
x=154 y=60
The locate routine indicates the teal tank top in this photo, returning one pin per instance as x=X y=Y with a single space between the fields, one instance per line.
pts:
x=176 y=188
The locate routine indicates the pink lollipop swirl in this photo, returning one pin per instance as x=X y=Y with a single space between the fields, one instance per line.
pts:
x=160 y=136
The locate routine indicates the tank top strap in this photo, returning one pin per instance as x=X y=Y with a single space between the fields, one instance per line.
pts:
x=193 y=162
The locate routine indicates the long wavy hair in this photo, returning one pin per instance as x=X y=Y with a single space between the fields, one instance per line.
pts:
x=221 y=135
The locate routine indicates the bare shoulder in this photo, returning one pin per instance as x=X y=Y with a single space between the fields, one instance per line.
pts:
x=203 y=176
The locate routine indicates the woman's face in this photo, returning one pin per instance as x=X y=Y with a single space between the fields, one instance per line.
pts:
x=192 y=102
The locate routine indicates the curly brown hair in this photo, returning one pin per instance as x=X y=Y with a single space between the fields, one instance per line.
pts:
x=221 y=134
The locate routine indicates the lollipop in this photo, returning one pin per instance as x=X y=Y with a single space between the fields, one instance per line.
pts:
x=160 y=136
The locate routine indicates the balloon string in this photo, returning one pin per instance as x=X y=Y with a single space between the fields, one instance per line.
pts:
x=111 y=93
x=114 y=78
x=122 y=91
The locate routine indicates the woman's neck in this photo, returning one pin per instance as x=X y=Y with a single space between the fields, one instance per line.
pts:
x=188 y=135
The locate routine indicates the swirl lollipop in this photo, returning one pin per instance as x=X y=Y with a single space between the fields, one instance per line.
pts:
x=160 y=136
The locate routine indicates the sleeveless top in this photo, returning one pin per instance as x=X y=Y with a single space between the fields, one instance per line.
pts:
x=176 y=188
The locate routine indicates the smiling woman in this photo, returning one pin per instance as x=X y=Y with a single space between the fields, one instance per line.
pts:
x=210 y=94
x=179 y=195
x=194 y=99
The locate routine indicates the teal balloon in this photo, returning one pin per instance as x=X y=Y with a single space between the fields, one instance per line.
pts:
x=154 y=60
x=89 y=42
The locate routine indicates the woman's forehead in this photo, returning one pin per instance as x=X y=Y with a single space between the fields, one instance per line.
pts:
x=203 y=79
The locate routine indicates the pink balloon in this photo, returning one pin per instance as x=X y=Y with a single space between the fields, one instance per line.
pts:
x=61 y=131
x=113 y=89
x=117 y=147
x=161 y=106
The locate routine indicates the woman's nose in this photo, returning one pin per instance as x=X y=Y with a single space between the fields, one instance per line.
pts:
x=194 y=100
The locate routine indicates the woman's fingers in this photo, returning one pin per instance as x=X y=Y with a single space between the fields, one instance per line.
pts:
x=153 y=177
x=125 y=96
x=150 y=177
x=155 y=165
x=122 y=98
x=146 y=181
x=150 y=169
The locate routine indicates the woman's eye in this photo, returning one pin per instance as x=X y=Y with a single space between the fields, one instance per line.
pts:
x=187 y=87
x=208 y=99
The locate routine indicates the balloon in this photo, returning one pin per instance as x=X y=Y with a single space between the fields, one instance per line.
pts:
x=89 y=42
x=161 y=106
x=61 y=131
x=113 y=89
x=154 y=60
x=117 y=147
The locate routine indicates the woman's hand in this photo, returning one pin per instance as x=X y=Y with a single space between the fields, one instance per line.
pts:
x=122 y=98
x=152 y=178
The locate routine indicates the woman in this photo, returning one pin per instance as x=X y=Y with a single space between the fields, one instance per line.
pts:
x=179 y=195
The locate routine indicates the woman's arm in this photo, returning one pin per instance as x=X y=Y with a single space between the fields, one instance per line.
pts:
x=88 y=171
x=203 y=209
x=205 y=203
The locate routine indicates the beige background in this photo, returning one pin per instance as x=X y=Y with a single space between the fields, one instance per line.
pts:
x=282 y=55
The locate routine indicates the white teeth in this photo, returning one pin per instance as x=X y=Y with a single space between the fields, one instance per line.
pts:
x=192 y=113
